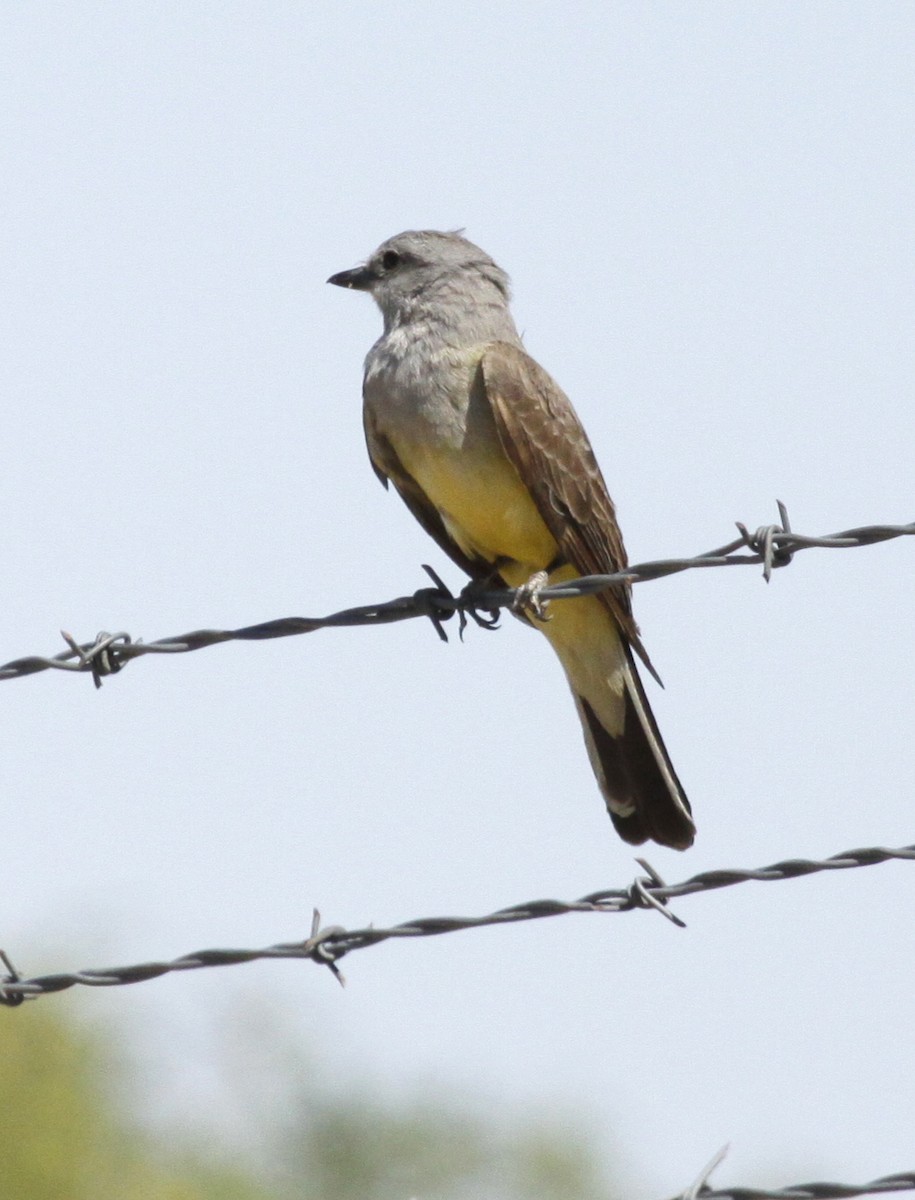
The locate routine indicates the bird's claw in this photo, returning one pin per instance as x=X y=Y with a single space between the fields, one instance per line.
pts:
x=472 y=604
x=440 y=603
x=527 y=597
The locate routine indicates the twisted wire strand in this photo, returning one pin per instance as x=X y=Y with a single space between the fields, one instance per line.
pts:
x=772 y=545
x=326 y=946
x=902 y=1182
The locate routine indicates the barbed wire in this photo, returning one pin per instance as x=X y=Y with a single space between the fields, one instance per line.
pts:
x=904 y=1181
x=326 y=946
x=771 y=545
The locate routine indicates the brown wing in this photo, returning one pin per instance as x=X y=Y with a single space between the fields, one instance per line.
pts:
x=388 y=467
x=544 y=439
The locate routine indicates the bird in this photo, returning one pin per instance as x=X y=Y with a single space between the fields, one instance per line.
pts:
x=492 y=460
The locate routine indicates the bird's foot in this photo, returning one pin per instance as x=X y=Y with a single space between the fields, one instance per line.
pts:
x=440 y=603
x=527 y=597
x=472 y=603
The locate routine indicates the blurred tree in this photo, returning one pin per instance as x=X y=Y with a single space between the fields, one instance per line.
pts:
x=359 y=1149
x=348 y=1139
x=61 y=1135
x=65 y=1134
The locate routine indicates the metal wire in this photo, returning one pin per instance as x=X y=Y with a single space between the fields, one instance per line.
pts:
x=772 y=546
x=903 y=1182
x=328 y=945
x=700 y=1190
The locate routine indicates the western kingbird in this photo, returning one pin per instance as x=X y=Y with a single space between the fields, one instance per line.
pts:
x=491 y=459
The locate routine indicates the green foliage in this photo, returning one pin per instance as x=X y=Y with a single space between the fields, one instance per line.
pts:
x=363 y=1149
x=65 y=1136
x=61 y=1136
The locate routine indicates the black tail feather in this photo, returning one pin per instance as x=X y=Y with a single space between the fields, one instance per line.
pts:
x=644 y=797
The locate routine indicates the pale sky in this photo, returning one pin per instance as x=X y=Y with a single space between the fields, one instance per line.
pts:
x=706 y=210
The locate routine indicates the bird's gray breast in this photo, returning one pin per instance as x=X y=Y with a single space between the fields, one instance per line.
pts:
x=418 y=389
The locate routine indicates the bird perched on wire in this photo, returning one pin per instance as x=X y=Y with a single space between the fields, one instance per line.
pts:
x=490 y=457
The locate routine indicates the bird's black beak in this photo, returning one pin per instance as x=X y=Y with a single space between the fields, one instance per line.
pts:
x=359 y=278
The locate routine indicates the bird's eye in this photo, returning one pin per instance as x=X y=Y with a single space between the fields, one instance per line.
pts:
x=390 y=259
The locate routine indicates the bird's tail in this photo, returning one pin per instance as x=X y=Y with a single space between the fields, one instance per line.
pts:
x=644 y=797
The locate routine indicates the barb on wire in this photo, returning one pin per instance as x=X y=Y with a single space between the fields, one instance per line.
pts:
x=327 y=946
x=772 y=545
x=10 y=999
x=701 y=1184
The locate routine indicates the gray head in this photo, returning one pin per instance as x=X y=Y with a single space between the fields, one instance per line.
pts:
x=424 y=271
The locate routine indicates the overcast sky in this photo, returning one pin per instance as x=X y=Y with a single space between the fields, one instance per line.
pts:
x=707 y=213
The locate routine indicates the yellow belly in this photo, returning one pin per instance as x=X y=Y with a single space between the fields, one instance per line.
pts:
x=485 y=506
x=490 y=514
